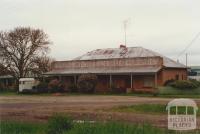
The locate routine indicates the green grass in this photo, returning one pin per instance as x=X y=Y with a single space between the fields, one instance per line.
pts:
x=146 y=108
x=14 y=127
x=142 y=108
x=174 y=91
x=113 y=128
x=180 y=96
x=8 y=127
x=170 y=92
x=7 y=93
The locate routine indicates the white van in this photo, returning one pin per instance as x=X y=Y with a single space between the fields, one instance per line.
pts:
x=27 y=83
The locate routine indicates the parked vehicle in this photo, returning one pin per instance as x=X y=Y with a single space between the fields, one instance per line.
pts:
x=194 y=78
x=27 y=84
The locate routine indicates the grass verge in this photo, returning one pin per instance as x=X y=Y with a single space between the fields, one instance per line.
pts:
x=8 y=127
x=147 y=108
x=14 y=127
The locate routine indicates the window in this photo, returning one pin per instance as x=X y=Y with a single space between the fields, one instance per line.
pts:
x=148 y=81
x=177 y=77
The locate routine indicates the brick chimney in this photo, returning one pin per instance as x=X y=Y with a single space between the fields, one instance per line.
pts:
x=122 y=46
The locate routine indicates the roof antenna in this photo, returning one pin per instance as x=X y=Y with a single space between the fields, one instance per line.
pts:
x=125 y=22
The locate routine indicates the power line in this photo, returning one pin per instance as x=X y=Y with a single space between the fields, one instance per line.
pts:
x=190 y=44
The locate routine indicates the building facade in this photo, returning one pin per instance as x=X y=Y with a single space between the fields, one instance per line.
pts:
x=123 y=67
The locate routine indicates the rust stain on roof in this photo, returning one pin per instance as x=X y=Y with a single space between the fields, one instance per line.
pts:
x=127 y=52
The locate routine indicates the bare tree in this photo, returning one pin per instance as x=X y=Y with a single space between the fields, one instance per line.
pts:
x=21 y=48
x=3 y=70
x=41 y=65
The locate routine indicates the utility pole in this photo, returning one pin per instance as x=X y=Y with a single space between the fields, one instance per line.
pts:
x=186 y=59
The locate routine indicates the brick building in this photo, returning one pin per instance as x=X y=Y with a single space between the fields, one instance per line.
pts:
x=124 y=67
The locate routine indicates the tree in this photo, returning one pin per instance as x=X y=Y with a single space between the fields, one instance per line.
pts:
x=22 y=51
x=41 y=65
x=3 y=70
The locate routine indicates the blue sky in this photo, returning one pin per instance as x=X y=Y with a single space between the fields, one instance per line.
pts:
x=78 y=26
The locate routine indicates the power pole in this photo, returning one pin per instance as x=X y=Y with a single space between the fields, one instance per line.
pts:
x=186 y=59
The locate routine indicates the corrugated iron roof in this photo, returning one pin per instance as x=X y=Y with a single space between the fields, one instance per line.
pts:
x=127 y=52
x=6 y=77
x=105 y=70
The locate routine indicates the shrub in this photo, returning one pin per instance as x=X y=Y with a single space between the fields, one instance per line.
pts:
x=185 y=84
x=42 y=87
x=168 y=82
x=58 y=123
x=14 y=88
x=73 y=88
x=87 y=83
x=55 y=86
x=196 y=83
x=117 y=90
x=28 y=91
x=2 y=87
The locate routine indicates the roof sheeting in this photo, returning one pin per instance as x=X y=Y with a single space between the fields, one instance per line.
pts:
x=111 y=70
x=127 y=52
x=6 y=77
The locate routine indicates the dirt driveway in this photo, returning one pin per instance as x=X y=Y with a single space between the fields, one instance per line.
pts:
x=39 y=108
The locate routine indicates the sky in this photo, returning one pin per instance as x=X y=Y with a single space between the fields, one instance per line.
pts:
x=76 y=27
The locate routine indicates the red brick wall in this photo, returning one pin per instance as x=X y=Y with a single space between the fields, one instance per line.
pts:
x=170 y=73
x=122 y=81
x=138 y=82
x=67 y=80
x=119 y=81
x=103 y=83
x=160 y=78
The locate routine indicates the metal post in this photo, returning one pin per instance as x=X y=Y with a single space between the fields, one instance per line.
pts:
x=110 y=81
x=131 y=81
x=156 y=80
x=75 y=81
x=60 y=77
x=186 y=110
x=186 y=60
x=6 y=82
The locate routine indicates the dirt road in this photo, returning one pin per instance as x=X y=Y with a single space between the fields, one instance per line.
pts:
x=39 y=108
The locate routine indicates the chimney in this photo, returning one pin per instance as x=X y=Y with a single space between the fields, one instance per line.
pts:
x=122 y=46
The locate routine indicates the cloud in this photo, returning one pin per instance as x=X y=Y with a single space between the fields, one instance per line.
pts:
x=77 y=26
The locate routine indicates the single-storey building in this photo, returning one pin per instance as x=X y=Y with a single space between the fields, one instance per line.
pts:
x=7 y=81
x=124 y=67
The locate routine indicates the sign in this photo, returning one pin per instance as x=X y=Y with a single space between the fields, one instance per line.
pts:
x=185 y=120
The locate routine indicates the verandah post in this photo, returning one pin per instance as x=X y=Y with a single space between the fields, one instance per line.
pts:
x=110 y=81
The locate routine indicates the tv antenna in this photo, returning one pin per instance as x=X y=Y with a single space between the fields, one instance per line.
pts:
x=125 y=22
